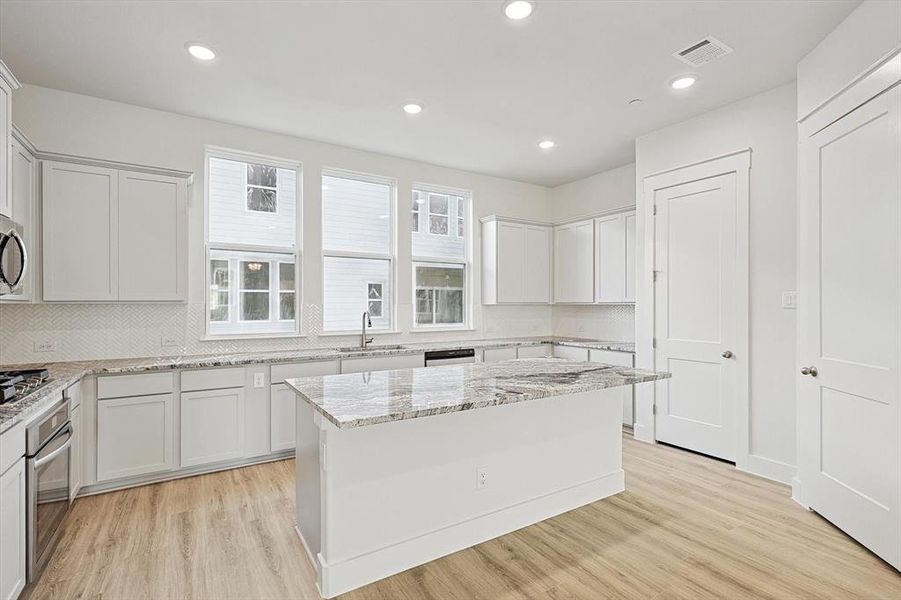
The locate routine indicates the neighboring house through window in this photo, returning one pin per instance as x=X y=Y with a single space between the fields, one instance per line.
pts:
x=251 y=244
x=441 y=259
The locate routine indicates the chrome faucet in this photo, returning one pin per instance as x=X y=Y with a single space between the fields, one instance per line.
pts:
x=364 y=341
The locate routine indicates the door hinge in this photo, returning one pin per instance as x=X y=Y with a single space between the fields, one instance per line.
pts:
x=654 y=409
x=655 y=210
x=655 y=274
x=653 y=342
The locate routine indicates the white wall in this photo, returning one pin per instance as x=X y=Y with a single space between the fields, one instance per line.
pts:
x=766 y=124
x=603 y=192
x=869 y=34
x=57 y=121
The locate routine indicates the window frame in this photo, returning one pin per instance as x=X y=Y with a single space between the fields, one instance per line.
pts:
x=390 y=255
x=465 y=261
x=248 y=185
x=265 y=329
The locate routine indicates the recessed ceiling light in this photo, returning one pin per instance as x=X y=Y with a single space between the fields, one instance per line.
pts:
x=547 y=144
x=412 y=108
x=517 y=10
x=200 y=52
x=683 y=82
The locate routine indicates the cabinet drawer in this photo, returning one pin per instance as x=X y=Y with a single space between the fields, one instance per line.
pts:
x=121 y=386
x=12 y=445
x=382 y=363
x=498 y=354
x=542 y=351
x=304 y=369
x=612 y=357
x=212 y=379
x=571 y=353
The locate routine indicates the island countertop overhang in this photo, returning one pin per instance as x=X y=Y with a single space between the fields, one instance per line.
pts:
x=362 y=399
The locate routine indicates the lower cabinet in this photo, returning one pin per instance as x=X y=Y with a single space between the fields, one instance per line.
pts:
x=212 y=426
x=498 y=354
x=76 y=466
x=620 y=359
x=283 y=424
x=12 y=526
x=571 y=353
x=135 y=436
x=540 y=351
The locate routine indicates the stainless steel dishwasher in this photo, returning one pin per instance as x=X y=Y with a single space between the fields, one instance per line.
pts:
x=437 y=358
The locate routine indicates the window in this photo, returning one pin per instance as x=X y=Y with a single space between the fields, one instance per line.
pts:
x=251 y=245
x=262 y=188
x=417 y=201
x=441 y=260
x=357 y=242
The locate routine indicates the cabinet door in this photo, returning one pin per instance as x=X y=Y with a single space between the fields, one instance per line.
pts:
x=12 y=524
x=80 y=233
x=382 y=363
x=510 y=240
x=574 y=262
x=212 y=426
x=5 y=129
x=152 y=237
x=282 y=432
x=611 y=259
x=498 y=354
x=134 y=436
x=630 y=256
x=76 y=467
x=536 y=264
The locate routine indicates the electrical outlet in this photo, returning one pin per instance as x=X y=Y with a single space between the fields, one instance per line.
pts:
x=481 y=478
x=789 y=299
x=45 y=346
x=167 y=341
x=259 y=380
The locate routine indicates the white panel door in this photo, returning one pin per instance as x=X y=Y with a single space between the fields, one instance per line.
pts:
x=849 y=416
x=536 y=261
x=212 y=426
x=695 y=320
x=152 y=237
x=510 y=242
x=135 y=436
x=283 y=426
x=80 y=232
x=610 y=244
x=12 y=526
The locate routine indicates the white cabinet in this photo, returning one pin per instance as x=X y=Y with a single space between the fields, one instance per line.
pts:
x=382 y=363
x=212 y=426
x=12 y=526
x=571 y=353
x=22 y=198
x=615 y=258
x=113 y=235
x=574 y=262
x=8 y=83
x=283 y=400
x=76 y=467
x=516 y=262
x=620 y=359
x=135 y=436
x=541 y=351
x=498 y=354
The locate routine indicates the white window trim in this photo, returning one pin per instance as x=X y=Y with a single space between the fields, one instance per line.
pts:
x=446 y=215
x=296 y=253
x=433 y=324
x=247 y=209
x=390 y=255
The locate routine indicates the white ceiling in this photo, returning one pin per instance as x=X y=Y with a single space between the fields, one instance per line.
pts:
x=340 y=71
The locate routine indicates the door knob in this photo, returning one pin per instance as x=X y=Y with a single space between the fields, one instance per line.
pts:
x=727 y=354
x=812 y=371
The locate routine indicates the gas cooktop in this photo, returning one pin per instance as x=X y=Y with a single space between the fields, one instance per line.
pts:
x=16 y=384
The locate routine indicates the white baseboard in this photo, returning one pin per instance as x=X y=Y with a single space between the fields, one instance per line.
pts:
x=796 y=493
x=770 y=469
x=642 y=433
x=338 y=578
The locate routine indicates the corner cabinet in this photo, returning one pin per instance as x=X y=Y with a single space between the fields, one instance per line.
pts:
x=113 y=235
x=516 y=262
x=574 y=262
x=615 y=258
x=8 y=83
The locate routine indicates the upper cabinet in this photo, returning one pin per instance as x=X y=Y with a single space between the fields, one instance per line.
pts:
x=516 y=262
x=574 y=262
x=113 y=235
x=8 y=83
x=615 y=258
x=22 y=209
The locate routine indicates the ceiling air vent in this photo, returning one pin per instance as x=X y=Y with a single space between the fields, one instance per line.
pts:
x=703 y=52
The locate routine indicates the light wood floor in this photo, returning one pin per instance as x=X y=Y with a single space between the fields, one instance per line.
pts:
x=687 y=527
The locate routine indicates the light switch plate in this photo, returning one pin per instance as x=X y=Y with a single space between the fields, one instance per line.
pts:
x=789 y=299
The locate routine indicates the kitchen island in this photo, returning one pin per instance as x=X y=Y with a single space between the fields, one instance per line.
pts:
x=397 y=468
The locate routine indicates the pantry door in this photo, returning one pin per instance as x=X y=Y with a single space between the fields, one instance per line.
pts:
x=700 y=295
x=850 y=316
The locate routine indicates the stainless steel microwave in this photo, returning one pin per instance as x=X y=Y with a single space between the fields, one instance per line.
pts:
x=13 y=256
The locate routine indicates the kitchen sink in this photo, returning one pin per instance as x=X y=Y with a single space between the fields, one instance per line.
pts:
x=371 y=348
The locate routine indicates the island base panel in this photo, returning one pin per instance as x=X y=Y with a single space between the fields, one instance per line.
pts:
x=377 y=500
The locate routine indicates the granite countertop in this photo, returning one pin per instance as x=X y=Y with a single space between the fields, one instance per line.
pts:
x=352 y=400
x=64 y=374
